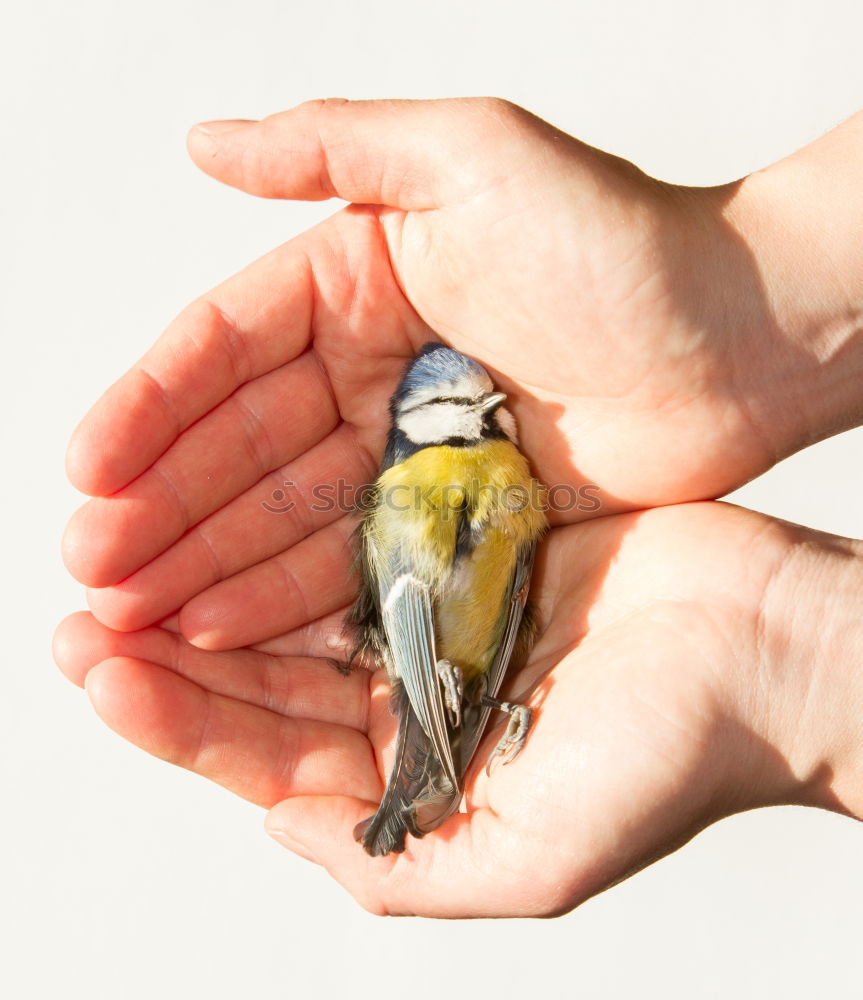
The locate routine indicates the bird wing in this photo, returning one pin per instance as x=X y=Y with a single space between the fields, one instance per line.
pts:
x=475 y=719
x=409 y=626
x=518 y=590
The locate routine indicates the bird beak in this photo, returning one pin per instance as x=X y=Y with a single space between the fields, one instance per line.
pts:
x=492 y=402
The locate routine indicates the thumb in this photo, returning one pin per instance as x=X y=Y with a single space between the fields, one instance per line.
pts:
x=406 y=154
x=450 y=873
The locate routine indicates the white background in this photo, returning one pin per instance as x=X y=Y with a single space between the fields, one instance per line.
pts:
x=123 y=877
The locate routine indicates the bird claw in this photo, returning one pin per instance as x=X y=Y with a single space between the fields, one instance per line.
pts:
x=452 y=682
x=509 y=747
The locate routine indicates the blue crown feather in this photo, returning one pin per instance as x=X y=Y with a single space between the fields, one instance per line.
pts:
x=438 y=363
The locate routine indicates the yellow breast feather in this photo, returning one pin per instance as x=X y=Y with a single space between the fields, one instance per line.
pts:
x=420 y=504
x=420 y=501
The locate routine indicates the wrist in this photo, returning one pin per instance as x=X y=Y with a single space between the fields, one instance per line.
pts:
x=807 y=695
x=799 y=221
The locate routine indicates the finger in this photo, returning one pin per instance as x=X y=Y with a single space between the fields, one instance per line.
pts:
x=257 y=754
x=308 y=581
x=266 y=423
x=302 y=687
x=325 y=637
x=406 y=154
x=455 y=871
x=249 y=325
x=288 y=505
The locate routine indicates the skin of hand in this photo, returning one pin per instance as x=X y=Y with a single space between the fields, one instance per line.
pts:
x=689 y=668
x=642 y=331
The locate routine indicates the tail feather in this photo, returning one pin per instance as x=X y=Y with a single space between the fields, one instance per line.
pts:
x=418 y=797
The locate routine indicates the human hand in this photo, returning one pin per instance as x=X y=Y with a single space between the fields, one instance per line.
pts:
x=625 y=317
x=679 y=340
x=691 y=666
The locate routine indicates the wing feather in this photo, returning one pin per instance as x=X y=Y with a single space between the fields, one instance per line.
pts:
x=476 y=718
x=518 y=591
x=409 y=625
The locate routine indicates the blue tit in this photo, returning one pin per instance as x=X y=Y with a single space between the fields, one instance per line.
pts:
x=446 y=552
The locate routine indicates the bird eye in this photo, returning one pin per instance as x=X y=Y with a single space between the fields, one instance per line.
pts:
x=458 y=400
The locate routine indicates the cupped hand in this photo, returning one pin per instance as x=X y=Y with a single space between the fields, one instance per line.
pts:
x=665 y=698
x=626 y=315
x=616 y=311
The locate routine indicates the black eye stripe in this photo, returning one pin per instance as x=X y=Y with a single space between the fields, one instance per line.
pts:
x=463 y=400
x=459 y=400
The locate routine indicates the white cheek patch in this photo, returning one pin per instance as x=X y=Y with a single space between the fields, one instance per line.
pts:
x=439 y=421
x=506 y=422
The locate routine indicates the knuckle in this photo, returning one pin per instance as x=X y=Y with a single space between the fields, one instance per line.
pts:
x=544 y=895
x=318 y=106
x=498 y=112
x=370 y=901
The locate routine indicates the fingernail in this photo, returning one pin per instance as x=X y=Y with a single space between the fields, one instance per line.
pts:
x=220 y=127
x=288 y=841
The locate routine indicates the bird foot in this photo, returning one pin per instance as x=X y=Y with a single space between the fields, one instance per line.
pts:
x=452 y=683
x=520 y=718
